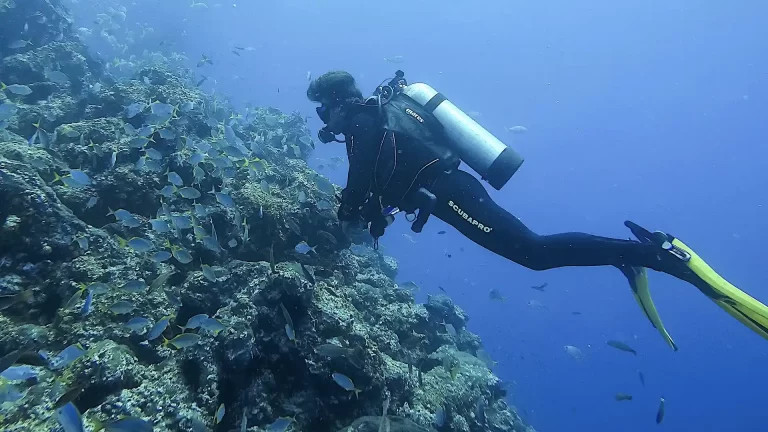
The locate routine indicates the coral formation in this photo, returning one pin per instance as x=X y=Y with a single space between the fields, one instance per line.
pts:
x=284 y=329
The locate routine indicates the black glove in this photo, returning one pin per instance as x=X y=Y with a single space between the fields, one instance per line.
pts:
x=378 y=225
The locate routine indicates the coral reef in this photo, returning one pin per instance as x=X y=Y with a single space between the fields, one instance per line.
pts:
x=174 y=206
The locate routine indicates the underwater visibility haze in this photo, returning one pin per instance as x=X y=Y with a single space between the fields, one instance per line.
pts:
x=184 y=246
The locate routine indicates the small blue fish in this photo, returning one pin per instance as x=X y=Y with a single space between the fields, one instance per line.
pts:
x=223 y=198
x=159 y=225
x=80 y=177
x=17 y=89
x=57 y=77
x=92 y=202
x=210 y=243
x=139 y=166
x=167 y=191
x=140 y=245
x=134 y=286
x=181 y=221
x=189 y=193
x=129 y=129
x=10 y=393
x=195 y=321
x=229 y=172
x=187 y=106
x=86 y=309
x=219 y=414
x=161 y=109
x=67 y=180
x=290 y=332
x=196 y=158
x=280 y=425
x=98 y=288
x=324 y=185
x=183 y=340
x=160 y=256
x=439 y=418
x=128 y=424
x=182 y=255
x=145 y=131
x=212 y=325
x=208 y=272
x=138 y=142
x=345 y=382
x=132 y=222
x=200 y=210
x=303 y=248
x=7 y=110
x=158 y=328
x=153 y=166
x=152 y=153
x=167 y=134
x=173 y=298
x=67 y=356
x=229 y=134
x=450 y=329
x=174 y=178
x=33 y=139
x=234 y=152
x=19 y=373
x=82 y=242
x=69 y=418
x=221 y=162
x=133 y=109
x=120 y=214
x=166 y=209
x=199 y=231
x=137 y=323
x=19 y=44
x=122 y=307
x=198 y=174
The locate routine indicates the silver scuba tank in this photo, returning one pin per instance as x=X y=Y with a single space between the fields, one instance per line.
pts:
x=487 y=155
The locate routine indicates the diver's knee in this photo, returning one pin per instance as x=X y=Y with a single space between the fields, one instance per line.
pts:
x=533 y=263
x=531 y=253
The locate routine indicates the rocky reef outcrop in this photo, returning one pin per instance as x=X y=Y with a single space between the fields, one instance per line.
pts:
x=170 y=258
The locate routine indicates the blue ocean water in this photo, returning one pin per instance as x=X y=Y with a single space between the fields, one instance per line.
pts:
x=651 y=111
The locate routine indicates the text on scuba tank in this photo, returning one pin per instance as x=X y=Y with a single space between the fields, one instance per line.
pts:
x=468 y=218
x=413 y=114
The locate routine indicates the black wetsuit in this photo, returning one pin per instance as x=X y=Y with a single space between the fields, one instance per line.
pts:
x=396 y=149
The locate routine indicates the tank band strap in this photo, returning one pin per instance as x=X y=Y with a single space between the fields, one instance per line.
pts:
x=433 y=103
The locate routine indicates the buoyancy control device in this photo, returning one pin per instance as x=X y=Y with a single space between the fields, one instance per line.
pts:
x=482 y=151
x=479 y=149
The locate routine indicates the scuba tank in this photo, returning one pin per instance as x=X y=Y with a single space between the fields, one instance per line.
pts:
x=476 y=147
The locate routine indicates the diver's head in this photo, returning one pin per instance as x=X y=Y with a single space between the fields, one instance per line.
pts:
x=336 y=92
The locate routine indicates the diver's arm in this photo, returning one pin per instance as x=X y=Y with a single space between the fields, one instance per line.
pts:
x=361 y=152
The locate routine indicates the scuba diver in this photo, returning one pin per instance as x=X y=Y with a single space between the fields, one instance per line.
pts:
x=404 y=146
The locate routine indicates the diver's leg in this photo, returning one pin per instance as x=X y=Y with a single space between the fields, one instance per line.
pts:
x=463 y=202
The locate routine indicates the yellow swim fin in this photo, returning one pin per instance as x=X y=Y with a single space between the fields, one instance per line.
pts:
x=736 y=302
x=639 y=285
